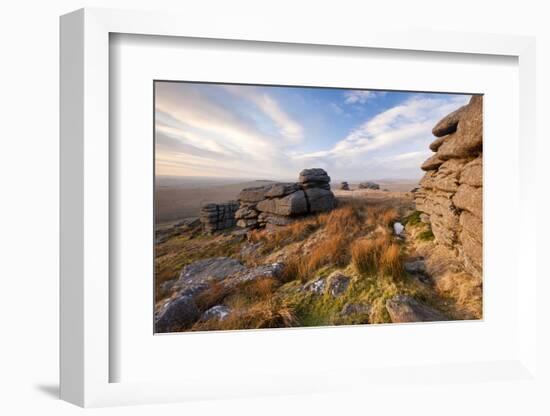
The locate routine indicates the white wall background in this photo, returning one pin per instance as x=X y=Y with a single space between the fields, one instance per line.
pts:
x=29 y=181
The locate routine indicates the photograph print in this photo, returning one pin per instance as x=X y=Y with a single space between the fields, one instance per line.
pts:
x=289 y=207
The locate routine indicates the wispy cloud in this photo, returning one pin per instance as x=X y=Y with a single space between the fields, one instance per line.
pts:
x=288 y=127
x=246 y=131
x=405 y=123
x=360 y=96
x=216 y=137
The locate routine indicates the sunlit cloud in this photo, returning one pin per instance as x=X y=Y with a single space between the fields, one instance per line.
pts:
x=361 y=96
x=250 y=132
x=405 y=122
x=288 y=128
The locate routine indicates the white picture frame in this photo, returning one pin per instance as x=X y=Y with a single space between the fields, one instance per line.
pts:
x=85 y=210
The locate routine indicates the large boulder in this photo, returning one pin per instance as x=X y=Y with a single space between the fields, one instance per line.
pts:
x=179 y=314
x=320 y=200
x=472 y=174
x=215 y=217
x=278 y=204
x=293 y=204
x=246 y=213
x=467 y=140
x=278 y=190
x=436 y=144
x=432 y=163
x=253 y=194
x=403 y=308
x=469 y=198
x=209 y=270
x=264 y=271
x=448 y=124
x=314 y=176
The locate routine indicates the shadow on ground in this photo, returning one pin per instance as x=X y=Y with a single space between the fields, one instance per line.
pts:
x=51 y=390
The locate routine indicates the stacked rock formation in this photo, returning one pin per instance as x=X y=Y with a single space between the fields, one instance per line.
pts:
x=450 y=194
x=216 y=217
x=344 y=186
x=280 y=203
x=368 y=185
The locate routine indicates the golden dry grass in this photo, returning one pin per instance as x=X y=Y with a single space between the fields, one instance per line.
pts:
x=341 y=235
x=296 y=231
x=391 y=261
x=213 y=296
x=369 y=255
x=268 y=313
x=466 y=292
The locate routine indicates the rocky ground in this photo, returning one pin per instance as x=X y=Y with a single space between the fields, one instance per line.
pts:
x=370 y=260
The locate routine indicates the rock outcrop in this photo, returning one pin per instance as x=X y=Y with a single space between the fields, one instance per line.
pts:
x=450 y=194
x=344 y=186
x=278 y=204
x=180 y=311
x=368 y=185
x=216 y=217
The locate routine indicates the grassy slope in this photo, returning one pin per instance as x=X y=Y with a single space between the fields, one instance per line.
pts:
x=356 y=239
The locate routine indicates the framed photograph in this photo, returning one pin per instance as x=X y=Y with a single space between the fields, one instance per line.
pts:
x=281 y=213
x=242 y=244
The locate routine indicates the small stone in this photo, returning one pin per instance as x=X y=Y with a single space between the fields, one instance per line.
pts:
x=216 y=313
x=338 y=283
x=351 y=309
x=316 y=286
x=403 y=308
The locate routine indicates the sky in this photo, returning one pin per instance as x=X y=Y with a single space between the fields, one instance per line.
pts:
x=271 y=132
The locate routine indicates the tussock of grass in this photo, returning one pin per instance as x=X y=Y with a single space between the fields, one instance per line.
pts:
x=339 y=228
x=269 y=313
x=391 y=262
x=382 y=215
x=246 y=293
x=378 y=254
x=297 y=231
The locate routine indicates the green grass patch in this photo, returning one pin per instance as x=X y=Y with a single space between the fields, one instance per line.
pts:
x=427 y=235
x=413 y=219
x=367 y=288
